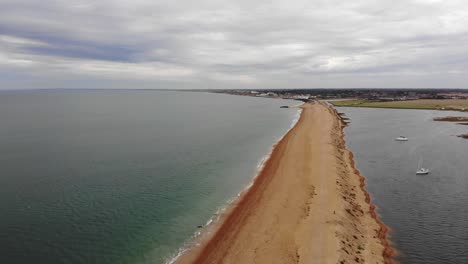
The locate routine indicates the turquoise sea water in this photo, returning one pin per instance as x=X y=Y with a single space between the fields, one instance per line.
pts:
x=123 y=176
x=428 y=214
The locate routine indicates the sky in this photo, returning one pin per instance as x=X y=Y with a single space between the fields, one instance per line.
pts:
x=208 y=44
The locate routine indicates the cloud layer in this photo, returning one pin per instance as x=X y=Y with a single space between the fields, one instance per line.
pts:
x=233 y=44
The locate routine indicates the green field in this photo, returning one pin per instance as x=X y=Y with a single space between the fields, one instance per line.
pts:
x=445 y=104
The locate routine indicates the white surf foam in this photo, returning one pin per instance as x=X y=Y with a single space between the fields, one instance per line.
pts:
x=215 y=218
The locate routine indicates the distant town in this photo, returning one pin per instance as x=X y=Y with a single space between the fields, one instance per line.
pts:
x=381 y=95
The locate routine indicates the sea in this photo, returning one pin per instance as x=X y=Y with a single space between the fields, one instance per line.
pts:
x=132 y=176
x=427 y=214
x=124 y=176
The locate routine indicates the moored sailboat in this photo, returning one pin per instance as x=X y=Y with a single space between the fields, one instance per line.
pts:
x=421 y=170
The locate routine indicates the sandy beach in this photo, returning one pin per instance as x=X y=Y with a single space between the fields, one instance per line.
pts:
x=307 y=205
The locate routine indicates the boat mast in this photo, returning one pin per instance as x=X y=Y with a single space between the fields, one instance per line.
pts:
x=420 y=163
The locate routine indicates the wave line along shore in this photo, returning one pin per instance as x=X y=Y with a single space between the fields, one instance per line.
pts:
x=307 y=205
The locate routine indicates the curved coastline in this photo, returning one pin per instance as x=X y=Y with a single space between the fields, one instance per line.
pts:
x=232 y=225
x=191 y=247
x=383 y=234
x=389 y=252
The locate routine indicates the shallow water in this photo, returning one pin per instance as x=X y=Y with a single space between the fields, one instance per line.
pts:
x=427 y=213
x=123 y=176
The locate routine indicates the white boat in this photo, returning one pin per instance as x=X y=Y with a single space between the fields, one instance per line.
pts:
x=421 y=170
x=401 y=138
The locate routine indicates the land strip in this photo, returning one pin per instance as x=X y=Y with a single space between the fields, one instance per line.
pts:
x=443 y=104
x=307 y=205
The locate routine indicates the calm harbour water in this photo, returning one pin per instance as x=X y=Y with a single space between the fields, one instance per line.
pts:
x=123 y=176
x=428 y=214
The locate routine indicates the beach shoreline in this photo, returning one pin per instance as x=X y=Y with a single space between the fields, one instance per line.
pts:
x=308 y=203
x=193 y=245
x=383 y=233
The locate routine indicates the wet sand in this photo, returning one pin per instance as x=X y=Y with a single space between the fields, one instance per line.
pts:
x=451 y=119
x=307 y=205
x=454 y=119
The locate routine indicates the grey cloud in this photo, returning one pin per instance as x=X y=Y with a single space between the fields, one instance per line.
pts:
x=243 y=44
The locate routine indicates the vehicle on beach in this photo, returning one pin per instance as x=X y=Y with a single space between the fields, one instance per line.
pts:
x=401 y=138
x=421 y=170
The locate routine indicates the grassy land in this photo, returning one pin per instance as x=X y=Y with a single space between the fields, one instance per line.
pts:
x=446 y=104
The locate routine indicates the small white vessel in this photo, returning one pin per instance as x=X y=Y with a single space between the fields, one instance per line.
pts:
x=421 y=170
x=401 y=138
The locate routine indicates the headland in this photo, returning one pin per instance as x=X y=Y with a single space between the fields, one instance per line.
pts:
x=307 y=205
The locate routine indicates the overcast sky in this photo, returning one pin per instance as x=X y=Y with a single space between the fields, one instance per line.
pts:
x=233 y=44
